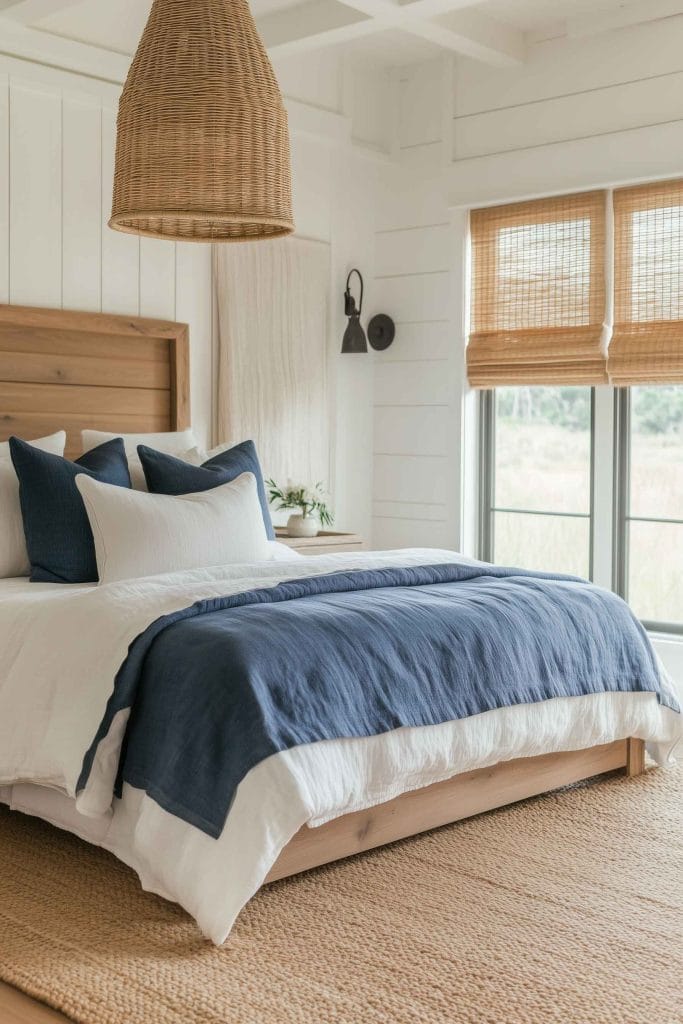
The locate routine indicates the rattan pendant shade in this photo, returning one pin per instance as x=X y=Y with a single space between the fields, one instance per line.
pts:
x=202 y=150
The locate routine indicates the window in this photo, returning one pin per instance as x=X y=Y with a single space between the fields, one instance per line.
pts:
x=650 y=526
x=537 y=478
x=585 y=479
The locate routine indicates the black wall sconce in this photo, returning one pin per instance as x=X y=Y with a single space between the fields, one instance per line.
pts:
x=381 y=329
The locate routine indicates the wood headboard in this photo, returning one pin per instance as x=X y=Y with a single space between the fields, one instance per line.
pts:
x=75 y=371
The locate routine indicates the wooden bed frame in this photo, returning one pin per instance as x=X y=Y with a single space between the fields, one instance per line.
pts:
x=78 y=371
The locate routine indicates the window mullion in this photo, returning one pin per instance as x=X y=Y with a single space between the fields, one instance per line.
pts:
x=603 y=485
x=621 y=476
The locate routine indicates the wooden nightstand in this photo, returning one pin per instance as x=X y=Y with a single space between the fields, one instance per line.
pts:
x=324 y=544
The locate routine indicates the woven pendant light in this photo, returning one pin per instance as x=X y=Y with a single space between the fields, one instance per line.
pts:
x=202 y=151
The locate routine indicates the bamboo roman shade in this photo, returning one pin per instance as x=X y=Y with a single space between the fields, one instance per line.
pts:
x=647 y=343
x=538 y=292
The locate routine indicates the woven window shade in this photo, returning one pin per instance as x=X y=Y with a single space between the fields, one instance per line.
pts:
x=647 y=343
x=538 y=292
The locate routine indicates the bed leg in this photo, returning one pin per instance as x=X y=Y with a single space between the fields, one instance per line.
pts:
x=635 y=757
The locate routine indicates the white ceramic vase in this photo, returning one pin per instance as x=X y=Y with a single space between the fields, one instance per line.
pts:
x=302 y=526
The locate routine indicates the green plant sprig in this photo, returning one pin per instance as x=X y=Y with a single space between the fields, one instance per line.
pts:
x=309 y=500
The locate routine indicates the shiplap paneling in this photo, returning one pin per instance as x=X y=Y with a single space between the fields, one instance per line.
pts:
x=157 y=278
x=35 y=196
x=413 y=250
x=120 y=252
x=400 y=205
x=416 y=445
x=410 y=478
x=615 y=108
x=639 y=154
x=562 y=67
x=409 y=298
x=395 y=532
x=413 y=510
x=194 y=306
x=411 y=430
x=420 y=341
x=312 y=174
x=419 y=105
x=418 y=383
x=81 y=204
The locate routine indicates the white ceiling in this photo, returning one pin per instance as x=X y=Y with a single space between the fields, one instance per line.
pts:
x=387 y=31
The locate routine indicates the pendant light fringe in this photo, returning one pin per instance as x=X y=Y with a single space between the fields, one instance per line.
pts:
x=202 y=148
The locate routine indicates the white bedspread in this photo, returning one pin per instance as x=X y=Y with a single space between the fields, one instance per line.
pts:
x=60 y=648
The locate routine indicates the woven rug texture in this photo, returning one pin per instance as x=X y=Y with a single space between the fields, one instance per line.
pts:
x=564 y=909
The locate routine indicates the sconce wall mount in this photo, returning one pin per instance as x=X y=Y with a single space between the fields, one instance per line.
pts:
x=381 y=329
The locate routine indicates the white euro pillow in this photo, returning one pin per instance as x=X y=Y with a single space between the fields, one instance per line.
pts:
x=138 y=534
x=198 y=456
x=172 y=442
x=13 y=554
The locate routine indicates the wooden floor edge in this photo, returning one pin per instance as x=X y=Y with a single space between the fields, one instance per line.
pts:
x=461 y=796
x=18 y=1008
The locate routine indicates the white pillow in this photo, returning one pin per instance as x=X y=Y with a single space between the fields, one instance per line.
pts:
x=13 y=555
x=53 y=443
x=146 y=534
x=171 y=442
x=198 y=456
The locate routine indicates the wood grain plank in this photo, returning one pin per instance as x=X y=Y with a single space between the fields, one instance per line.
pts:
x=181 y=415
x=32 y=425
x=459 y=797
x=30 y=367
x=97 y=401
x=96 y=323
x=47 y=341
x=635 y=757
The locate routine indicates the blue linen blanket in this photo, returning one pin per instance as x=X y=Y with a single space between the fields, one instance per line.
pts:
x=219 y=686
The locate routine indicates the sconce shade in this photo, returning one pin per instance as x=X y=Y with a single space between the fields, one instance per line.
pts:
x=202 y=150
x=354 y=337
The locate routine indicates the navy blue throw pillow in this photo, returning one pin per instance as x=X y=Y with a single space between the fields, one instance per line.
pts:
x=59 y=540
x=167 y=475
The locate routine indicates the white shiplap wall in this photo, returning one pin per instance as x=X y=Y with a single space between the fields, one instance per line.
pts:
x=579 y=113
x=418 y=381
x=57 y=136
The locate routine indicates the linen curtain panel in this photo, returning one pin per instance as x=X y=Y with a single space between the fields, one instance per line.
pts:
x=272 y=366
x=538 y=293
x=647 y=342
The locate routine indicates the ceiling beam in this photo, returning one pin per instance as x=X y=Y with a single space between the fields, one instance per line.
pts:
x=316 y=24
x=459 y=29
x=312 y=26
x=55 y=52
x=475 y=34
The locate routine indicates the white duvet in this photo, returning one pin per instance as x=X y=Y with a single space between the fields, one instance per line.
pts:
x=60 y=649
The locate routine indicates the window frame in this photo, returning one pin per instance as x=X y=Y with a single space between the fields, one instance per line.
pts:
x=622 y=516
x=487 y=479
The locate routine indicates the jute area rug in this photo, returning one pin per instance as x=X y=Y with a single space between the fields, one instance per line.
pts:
x=567 y=908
